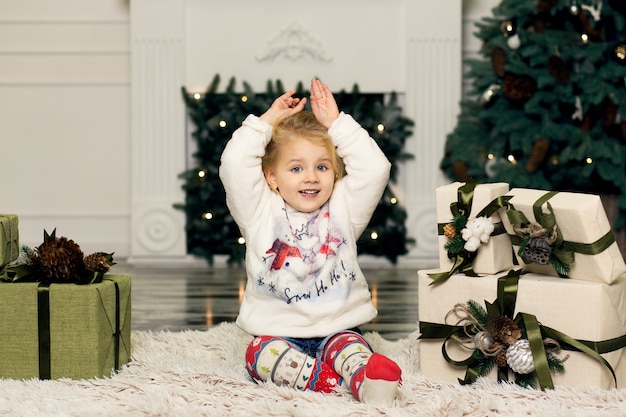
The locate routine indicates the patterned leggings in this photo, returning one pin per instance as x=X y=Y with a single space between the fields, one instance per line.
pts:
x=343 y=361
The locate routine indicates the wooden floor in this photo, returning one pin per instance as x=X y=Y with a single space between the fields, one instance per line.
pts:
x=191 y=298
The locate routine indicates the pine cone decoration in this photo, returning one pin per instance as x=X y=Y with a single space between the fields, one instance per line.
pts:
x=558 y=68
x=500 y=357
x=539 y=25
x=587 y=123
x=97 y=262
x=58 y=260
x=503 y=329
x=537 y=155
x=587 y=26
x=518 y=88
x=460 y=171
x=449 y=231
x=538 y=250
x=498 y=61
x=610 y=112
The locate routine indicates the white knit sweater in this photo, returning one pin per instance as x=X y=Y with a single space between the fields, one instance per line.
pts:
x=303 y=279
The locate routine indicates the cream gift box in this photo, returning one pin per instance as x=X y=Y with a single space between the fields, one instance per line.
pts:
x=582 y=220
x=491 y=257
x=583 y=310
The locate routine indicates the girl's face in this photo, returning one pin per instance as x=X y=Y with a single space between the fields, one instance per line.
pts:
x=302 y=175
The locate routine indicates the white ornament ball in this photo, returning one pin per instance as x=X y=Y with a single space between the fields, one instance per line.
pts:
x=519 y=357
x=514 y=41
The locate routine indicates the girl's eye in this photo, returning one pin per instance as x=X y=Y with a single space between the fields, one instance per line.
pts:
x=322 y=167
x=296 y=169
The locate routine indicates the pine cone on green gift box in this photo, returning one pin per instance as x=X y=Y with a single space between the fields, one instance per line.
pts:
x=96 y=265
x=57 y=260
x=97 y=262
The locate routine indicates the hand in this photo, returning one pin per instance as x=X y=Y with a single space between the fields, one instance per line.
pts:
x=323 y=103
x=283 y=106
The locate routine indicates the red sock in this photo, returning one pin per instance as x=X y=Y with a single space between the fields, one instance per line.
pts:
x=381 y=367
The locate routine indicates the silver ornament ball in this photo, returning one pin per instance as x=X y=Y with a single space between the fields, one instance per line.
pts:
x=519 y=357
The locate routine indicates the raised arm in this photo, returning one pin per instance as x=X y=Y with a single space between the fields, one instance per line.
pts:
x=367 y=168
x=323 y=104
x=240 y=169
x=283 y=106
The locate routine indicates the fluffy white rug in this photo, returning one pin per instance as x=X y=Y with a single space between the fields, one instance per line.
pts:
x=202 y=374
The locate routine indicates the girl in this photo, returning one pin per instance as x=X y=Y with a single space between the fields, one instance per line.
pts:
x=301 y=211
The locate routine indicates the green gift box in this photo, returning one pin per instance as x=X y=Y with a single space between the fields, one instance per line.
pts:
x=9 y=239
x=52 y=331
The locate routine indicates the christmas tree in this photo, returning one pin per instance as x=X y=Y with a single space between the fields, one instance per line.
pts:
x=215 y=116
x=547 y=106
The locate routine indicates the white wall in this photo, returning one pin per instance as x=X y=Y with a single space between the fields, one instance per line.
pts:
x=66 y=121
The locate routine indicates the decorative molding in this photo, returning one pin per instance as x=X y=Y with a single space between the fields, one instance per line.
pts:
x=423 y=226
x=294 y=43
x=158 y=230
x=158 y=129
x=431 y=63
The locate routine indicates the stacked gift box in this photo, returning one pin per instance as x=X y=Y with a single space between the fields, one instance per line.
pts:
x=53 y=330
x=546 y=305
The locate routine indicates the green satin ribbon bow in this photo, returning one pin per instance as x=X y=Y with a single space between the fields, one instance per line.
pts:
x=534 y=331
x=463 y=261
x=562 y=250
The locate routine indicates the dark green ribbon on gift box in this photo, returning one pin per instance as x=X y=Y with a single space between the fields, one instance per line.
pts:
x=463 y=260
x=43 y=328
x=535 y=332
x=562 y=255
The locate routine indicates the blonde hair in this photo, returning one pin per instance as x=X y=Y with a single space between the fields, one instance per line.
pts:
x=302 y=125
